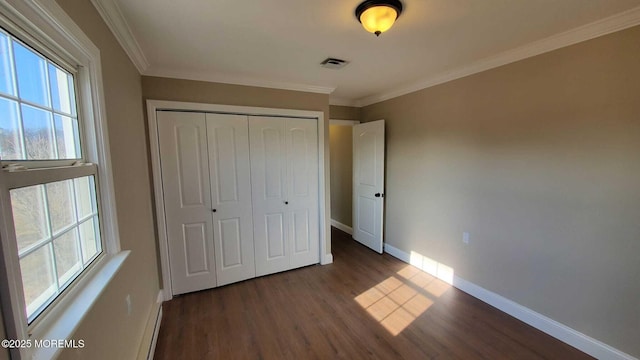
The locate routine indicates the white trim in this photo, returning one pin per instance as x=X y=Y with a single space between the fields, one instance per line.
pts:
x=589 y=31
x=238 y=80
x=156 y=331
x=154 y=147
x=117 y=23
x=343 y=122
x=336 y=101
x=324 y=205
x=79 y=307
x=397 y=253
x=231 y=109
x=328 y=259
x=152 y=329
x=549 y=326
x=340 y=226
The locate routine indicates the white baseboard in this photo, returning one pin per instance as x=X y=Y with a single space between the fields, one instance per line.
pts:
x=338 y=225
x=328 y=259
x=150 y=336
x=156 y=331
x=580 y=341
x=397 y=253
x=166 y=295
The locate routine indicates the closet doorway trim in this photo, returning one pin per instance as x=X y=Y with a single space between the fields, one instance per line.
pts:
x=323 y=165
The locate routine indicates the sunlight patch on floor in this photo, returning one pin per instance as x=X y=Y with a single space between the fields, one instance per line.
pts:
x=398 y=300
x=430 y=266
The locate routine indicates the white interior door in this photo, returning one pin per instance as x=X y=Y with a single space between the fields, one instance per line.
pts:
x=228 y=140
x=368 y=183
x=268 y=180
x=284 y=179
x=301 y=138
x=187 y=198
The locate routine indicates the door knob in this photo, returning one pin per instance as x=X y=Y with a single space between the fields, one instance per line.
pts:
x=379 y=195
x=214 y=210
x=286 y=203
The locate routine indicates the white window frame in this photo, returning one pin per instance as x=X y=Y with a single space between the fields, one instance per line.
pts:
x=44 y=22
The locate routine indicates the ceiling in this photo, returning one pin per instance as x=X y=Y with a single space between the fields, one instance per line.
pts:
x=280 y=43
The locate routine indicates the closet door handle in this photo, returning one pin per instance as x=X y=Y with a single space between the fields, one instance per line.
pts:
x=214 y=210
x=286 y=203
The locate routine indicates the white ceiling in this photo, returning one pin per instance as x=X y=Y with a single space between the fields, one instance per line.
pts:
x=280 y=43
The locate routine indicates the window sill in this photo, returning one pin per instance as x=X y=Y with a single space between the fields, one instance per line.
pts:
x=66 y=323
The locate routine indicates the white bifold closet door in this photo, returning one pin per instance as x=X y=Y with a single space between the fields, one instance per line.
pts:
x=284 y=178
x=207 y=197
x=187 y=199
x=229 y=167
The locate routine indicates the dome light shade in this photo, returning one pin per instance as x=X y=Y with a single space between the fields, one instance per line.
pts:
x=377 y=16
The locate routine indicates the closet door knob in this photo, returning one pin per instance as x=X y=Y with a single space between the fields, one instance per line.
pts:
x=286 y=203
x=214 y=210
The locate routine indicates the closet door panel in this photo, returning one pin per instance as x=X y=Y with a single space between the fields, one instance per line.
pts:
x=268 y=171
x=229 y=164
x=187 y=199
x=275 y=233
x=302 y=185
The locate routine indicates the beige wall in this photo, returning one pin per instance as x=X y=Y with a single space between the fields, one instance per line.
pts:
x=108 y=332
x=340 y=138
x=157 y=88
x=538 y=160
x=344 y=112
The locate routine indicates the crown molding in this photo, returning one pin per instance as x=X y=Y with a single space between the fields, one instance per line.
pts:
x=112 y=15
x=238 y=80
x=343 y=102
x=586 y=32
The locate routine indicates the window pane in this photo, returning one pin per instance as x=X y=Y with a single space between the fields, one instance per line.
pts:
x=10 y=139
x=67 y=255
x=31 y=72
x=38 y=133
x=6 y=71
x=42 y=123
x=89 y=239
x=38 y=278
x=85 y=197
x=61 y=90
x=50 y=262
x=67 y=137
x=29 y=215
x=62 y=209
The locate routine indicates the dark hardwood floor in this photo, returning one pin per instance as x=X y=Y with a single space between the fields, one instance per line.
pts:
x=363 y=306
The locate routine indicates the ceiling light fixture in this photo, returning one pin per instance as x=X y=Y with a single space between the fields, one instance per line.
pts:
x=377 y=16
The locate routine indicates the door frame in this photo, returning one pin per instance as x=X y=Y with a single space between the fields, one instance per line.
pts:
x=335 y=223
x=323 y=171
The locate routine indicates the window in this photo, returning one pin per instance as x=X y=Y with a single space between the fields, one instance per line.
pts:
x=59 y=234
x=55 y=223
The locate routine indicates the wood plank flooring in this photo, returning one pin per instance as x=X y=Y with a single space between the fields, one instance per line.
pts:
x=363 y=306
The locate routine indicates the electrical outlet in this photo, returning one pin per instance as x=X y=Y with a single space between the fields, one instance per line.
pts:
x=465 y=238
x=128 y=301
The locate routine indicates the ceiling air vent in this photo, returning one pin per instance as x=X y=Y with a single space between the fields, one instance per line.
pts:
x=333 y=63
